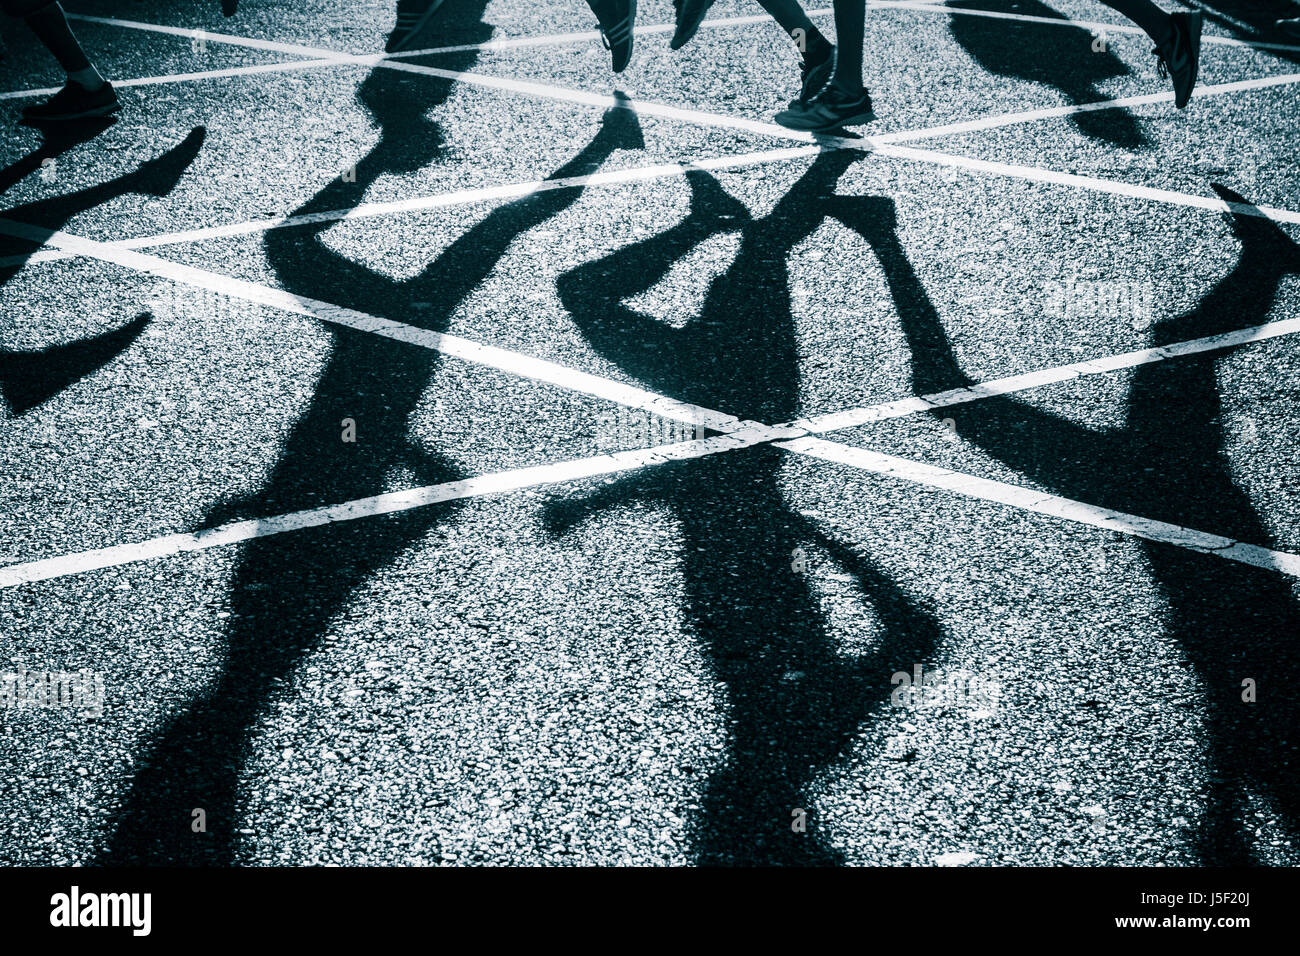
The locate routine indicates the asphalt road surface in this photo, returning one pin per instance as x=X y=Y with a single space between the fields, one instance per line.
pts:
x=476 y=457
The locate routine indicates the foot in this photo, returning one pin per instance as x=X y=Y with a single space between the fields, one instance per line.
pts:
x=616 y=17
x=412 y=17
x=74 y=102
x=1180 y=56
x=1290 y=27
x=828 y=111
x=160 y=175
x=690 y=13
x=622 y=124
x=229 y=7
x=813 y=78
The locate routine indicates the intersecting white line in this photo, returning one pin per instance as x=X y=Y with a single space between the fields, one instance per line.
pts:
x=1043 y=503
x=755 y=433
x=439 y=201
x=1095 y=26
x=585 y=36
x=503 y=359
x=884 y=144
x=1090 y=183
x=190 y=77
x=794 y=436
x=505 y=44
x=663 y=111
x=646 y=30
x=854 y=417
x=520 y=478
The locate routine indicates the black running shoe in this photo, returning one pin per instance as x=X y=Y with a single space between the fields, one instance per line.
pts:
x=828 y=111
x=74 y=102
x=690 y=13
x=616 y=17
x=813 y=78
x=1180 y=58
x=229 y=7
x=412 y=17
x=1290 y=27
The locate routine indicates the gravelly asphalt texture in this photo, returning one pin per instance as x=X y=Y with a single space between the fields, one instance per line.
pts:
x=687 y=661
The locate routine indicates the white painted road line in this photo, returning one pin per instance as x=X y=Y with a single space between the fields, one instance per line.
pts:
x=1055 y=112
x=1042 y=503
x=424 y=203
x=698 y=117
x=504 y=360
x=885 y=144
x=591 y=36
x=853 y=417
x=190 y=77
x=793 y=436
x=1090 y=183
x=746 y=436
x=1092 y=26
x=587 y=36
x=600 y=387
x=514 y=480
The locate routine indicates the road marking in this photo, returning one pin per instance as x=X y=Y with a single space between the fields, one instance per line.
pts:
x=793 y=436
x=1053 y=112
x=597 y=386
x=1093 y=184
x=853 y=417
x=504 y=360
x=545 y=371
x=587 y=36
x=513 y=480
x=664 y=111
x=504 y=44
x=424 y=203
x=1094 y=26
x=744 y=435
x=885 y=144
x=1040 y=502
x=189 y=77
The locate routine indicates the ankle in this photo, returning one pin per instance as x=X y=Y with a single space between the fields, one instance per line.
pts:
x=849 y=89
x=1166 y=39
x=816 y=48
x=88 y=79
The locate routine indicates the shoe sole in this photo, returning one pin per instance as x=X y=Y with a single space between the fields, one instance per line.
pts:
x=420 y=25
x=686 y=30
x=857 y=119
x=70 y=117
x=853 y=119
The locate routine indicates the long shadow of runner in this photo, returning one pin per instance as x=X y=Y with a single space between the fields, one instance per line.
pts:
x=794 y=701
x=1062 y=57
x=29 y=378
x=1232 y=621
x=285 y=591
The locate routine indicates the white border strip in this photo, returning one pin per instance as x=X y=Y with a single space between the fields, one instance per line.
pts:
x=514 y=480
x=885 y=144
x=189 y=77
x=854 y=417
x=1040 y=502
x=792 y=436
